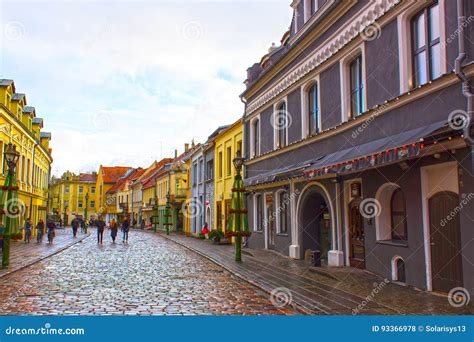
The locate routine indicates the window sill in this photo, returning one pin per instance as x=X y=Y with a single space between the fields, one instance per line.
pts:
x=282 y=234
x=393 y=243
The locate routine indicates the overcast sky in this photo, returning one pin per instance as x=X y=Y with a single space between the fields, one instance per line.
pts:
x=127 y=82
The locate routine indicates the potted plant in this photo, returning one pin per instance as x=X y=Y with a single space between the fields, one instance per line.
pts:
x=215 y=236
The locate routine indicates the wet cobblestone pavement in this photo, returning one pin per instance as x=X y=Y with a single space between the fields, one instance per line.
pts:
x=149 y=276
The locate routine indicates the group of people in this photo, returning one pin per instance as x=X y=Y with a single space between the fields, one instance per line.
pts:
x=40 y=231
x=114 y=227
x=76 y=223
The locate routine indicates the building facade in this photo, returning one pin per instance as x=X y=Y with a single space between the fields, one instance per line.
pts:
x=351 y=149
x=196 y=202
x=226 y=144
x=74 y=196
x=20 y=126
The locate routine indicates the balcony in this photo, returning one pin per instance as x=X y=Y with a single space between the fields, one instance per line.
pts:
x=180 y=193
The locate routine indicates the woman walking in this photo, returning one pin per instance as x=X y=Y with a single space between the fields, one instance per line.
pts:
x=125 y=229
x=40 y=231
x=113 y=229
x=51 y=233
x=28 y=228
x=100 y=230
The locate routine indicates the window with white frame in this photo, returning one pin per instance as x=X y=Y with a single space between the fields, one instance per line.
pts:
x=258 y=212
x=356 y=86
x=255 y=136
x=310 y=8
x=283 y=201
x=311 y=117
x=281 y=121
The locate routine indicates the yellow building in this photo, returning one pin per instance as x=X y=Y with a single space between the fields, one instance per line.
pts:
x=227 y=143
x=106 y=178
x=20 y=126
x=74 y=196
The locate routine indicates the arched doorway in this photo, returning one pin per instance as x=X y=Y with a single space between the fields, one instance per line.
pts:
x=445 y=234
x=315 y=223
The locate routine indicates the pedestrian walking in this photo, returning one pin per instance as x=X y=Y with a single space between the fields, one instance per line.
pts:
x=60 y=222
x=75 y=226
x=125 y=229
x=28 y=228
x=40 y=231
x=100 y=230
x=84 y=226
x=51 y=231
x=113 y=229
x=142 y=224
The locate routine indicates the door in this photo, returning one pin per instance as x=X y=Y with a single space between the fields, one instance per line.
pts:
x=446 y=260
x=356 y=236
x=270 y=226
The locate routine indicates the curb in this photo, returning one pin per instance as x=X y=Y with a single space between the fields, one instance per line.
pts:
x=44 y=257
x=298 y=306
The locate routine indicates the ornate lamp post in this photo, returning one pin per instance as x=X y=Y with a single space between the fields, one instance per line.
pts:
x=167 y=222
x=238 y=225
x=10 y=202
x=85 y=209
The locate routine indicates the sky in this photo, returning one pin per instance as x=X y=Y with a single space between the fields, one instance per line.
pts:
x=128 y=82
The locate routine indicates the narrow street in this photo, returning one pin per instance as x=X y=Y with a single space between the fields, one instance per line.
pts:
x=148 y=276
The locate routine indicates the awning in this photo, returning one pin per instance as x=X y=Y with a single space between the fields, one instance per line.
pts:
x=405 y=145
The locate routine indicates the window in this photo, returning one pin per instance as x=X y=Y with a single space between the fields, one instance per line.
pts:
x=280 y=118
x=219 y=214
x=28 y=162
x=255 y=137
x=66 y=189
x=314 y=6
x=92 y=204
x=356 y=87
x=201 y=170
x=220 y=164
x=210 y=169
x=282 y=211
x=81 y=189
x=195 y=176
x=92 y=189
x=229 y=161
x=258 y=213
x=227 y=213
x=426 y=45
x=399 y=216
x=311 y=120
x=79 y=204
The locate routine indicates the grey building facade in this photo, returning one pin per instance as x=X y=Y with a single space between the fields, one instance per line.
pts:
x=358 y=140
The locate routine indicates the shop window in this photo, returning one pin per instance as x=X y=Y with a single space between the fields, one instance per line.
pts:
x=258 y=213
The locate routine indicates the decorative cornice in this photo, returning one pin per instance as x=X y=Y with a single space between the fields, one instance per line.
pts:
x=358 y=24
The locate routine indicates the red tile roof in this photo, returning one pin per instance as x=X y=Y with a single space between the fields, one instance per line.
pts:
x=88 y=177
x=111 y=174
x=120 y=184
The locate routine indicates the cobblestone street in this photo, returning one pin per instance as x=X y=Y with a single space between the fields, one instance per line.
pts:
x=148 y=276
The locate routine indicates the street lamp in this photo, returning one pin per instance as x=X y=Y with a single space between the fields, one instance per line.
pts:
x=238 y=211
x=85 y=209
x=10 y=203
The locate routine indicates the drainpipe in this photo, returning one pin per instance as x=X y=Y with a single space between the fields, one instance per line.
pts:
x=466 y=86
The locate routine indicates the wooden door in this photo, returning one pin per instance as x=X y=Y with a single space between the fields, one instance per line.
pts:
x=446 y=260
x=356 y=236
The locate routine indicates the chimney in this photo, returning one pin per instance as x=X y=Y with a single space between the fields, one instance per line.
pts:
x=176 y=153
x=186 y=147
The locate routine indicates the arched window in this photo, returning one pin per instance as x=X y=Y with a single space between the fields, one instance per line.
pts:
x=426 y=45
x=281 y=124
x=313 y=109
x=399 y=215
x=255 y=137
x=356 y=86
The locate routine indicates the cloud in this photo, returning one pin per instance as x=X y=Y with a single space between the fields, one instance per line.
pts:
x=127 y=82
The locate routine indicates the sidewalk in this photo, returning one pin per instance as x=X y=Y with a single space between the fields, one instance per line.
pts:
x=323 y=291
x=23 y=255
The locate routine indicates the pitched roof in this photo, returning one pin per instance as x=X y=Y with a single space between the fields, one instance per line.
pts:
x=111 y=174
x=38 y=121
x=18 y=97
x=151 y=180
x=120 y=184
x=45 y=135
x=88 y=177
x=5 y=82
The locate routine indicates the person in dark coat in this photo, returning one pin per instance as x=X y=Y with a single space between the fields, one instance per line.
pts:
x=113 y=230
x=40 y=231
x=100 y=230
x=125 y=229
x=75 y=226
x=51 y=231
